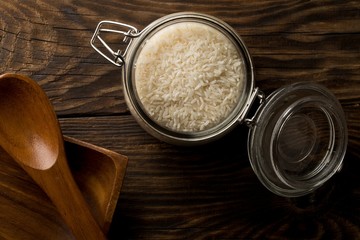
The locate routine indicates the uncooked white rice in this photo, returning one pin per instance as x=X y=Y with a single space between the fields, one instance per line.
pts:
x=189 y=77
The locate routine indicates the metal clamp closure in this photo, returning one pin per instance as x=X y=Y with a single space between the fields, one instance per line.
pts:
x=255 y=94
x=129 y=33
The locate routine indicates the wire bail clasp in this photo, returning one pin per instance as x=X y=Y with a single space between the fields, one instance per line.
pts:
x=256 y=94
x=129 y=33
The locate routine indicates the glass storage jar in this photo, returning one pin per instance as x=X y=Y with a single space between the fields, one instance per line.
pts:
x=298 y=135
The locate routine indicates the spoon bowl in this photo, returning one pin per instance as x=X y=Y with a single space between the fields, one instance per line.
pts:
x=29 y=128
x=30 y=134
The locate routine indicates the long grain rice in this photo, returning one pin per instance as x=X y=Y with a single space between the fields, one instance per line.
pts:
x=189 y=77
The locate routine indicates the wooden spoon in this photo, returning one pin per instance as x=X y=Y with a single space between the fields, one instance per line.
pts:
x=30 y=133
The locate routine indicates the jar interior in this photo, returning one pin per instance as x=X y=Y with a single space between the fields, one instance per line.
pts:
x=303 y=146
x=215 y=86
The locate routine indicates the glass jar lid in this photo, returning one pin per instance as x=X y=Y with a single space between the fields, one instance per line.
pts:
x=297 y=139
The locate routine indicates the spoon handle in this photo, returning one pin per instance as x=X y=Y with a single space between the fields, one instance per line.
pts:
x=58 y=183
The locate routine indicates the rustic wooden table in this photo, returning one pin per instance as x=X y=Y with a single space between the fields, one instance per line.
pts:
x=210 y=191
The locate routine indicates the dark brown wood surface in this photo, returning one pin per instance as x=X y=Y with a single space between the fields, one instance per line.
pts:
x=28 y=213
x=210 y=191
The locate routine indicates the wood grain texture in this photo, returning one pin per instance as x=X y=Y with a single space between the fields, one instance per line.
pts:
x=314 y=41
x=28 y=213
x=209 y=191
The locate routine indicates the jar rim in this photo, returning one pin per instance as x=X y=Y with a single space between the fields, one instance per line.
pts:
x=178 y=137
